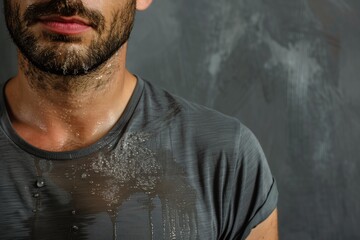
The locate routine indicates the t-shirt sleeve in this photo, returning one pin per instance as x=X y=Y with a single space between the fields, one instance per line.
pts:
x=255 y=193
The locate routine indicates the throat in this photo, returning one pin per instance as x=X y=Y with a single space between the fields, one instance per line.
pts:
x=62 y=113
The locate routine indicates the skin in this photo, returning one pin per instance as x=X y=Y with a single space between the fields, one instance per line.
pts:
x=72 y=112
x=268 y=229
x=79 y=113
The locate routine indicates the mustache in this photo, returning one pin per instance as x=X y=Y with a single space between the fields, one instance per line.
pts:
x=64 y=8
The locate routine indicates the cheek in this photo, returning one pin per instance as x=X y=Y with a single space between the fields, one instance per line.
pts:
x=105 y=6
x=96 y=4
x=30 y=2
x=23 y=4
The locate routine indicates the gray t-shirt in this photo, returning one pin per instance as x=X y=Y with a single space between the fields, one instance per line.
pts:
x=169 y=169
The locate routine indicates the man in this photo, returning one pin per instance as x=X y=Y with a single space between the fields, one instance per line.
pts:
x=90 y=151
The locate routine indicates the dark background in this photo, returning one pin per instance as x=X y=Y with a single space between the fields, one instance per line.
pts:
x=289 y=69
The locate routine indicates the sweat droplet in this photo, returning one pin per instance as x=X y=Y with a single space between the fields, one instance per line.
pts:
x=40 y=183
x=73 y=212
x=36 y=195
x=84 y=175
x=75 y=228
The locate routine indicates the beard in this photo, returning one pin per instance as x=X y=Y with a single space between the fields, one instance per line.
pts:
x=64 y=55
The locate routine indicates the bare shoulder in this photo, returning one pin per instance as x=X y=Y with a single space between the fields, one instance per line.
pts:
x=268 y=229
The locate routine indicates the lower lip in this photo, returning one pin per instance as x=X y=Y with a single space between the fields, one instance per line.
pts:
x=66 y=28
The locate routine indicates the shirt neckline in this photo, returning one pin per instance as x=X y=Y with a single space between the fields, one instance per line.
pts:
x=115 y=131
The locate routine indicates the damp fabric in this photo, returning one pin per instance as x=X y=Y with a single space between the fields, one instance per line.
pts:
x=168 y=169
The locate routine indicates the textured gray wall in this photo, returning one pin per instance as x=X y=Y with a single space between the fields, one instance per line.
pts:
x=289 y=70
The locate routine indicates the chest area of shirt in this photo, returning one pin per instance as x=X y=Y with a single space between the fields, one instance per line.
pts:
x=130 y=192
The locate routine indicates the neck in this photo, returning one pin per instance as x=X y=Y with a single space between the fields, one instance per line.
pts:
x=62 y=113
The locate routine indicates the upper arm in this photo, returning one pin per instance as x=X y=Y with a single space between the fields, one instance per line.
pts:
x=268 y=229
x=256 y=192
